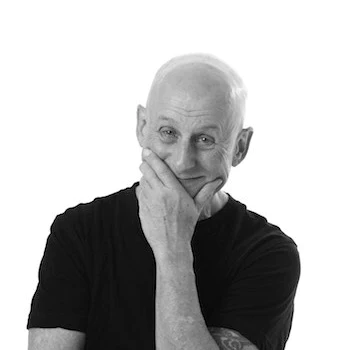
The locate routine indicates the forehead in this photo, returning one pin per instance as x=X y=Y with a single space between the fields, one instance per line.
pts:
x=191 y=91
x=193 y=83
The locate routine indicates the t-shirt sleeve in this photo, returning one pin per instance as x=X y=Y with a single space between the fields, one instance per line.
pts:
x=259 y=301
x=62 y=296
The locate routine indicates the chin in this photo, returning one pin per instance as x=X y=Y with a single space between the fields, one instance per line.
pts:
x=192 y=186
x=193 y=192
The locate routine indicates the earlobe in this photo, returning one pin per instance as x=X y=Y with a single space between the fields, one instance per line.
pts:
x=141 y=123
x=242 y=145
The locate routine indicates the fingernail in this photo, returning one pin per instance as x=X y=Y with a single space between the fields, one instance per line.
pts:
x=146 y=152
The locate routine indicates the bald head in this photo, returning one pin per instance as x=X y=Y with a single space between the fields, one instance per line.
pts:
x=194 y=77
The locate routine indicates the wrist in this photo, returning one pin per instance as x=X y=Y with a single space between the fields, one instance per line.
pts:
x=182 y=258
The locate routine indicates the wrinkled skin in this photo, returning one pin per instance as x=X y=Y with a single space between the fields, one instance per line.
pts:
x=168 y=213
x=188 y=125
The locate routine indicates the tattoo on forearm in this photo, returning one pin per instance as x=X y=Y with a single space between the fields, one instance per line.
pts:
x=230 y=340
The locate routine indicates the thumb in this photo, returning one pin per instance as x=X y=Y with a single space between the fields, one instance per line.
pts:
x=206 y=193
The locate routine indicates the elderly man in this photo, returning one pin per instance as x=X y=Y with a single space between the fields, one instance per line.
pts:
x=172 y=262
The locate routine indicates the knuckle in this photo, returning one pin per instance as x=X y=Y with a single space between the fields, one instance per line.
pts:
x=143 y=183
x=162 y=171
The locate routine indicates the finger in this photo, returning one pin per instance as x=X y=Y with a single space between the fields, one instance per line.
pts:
x=150 y=175
x=164 y=173
x=142 y=199
x=206 y=193
x=145 y=187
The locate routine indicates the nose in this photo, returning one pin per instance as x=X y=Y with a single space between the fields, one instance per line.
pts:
x=184 y=157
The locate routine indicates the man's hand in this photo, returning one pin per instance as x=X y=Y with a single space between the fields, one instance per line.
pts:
x=167 y=212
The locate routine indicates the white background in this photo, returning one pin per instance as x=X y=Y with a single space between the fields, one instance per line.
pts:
x=71 y=76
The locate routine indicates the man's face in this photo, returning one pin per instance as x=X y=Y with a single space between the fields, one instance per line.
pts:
x=189 y=126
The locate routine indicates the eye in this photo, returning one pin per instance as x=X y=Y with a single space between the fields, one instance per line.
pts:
x=205 y=140
x=168 y=134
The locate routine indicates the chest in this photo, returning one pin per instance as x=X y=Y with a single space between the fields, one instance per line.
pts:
x=123 y=290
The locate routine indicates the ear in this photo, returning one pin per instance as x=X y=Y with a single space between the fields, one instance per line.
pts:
x=242 y=145
x=141 y=123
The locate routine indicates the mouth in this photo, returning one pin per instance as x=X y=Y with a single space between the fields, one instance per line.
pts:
x=191 y=182
x=189 y=178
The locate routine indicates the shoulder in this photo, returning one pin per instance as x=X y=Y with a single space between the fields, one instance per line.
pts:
x=81 y=217
x=91 y=226
x=263 y=250
x=256 y=233
x=228 y=339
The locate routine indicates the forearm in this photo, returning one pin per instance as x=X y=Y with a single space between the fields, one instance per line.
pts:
x=179 y=321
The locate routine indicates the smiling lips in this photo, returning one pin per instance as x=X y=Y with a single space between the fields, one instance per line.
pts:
x=190 y=181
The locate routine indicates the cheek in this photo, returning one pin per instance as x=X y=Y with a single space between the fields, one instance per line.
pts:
x=159 y=148
x=220 y=162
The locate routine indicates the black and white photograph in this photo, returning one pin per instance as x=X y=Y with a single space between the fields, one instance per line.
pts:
x=174 y=175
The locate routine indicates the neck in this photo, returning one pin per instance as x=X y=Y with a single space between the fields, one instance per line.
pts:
x=217 y=203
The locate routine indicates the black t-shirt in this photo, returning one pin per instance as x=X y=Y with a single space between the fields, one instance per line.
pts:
x=98 y=273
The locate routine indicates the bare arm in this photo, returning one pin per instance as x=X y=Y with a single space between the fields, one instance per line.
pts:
x=179 y=321
x=227 y=339
x=55 y=339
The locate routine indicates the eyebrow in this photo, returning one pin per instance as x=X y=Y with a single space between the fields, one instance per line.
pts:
x=210 y=126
